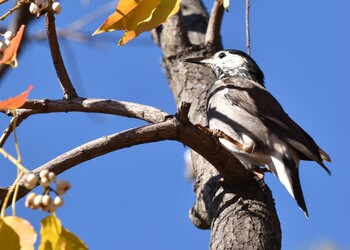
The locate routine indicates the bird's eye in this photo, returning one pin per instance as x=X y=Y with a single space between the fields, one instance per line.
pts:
x=222 y=55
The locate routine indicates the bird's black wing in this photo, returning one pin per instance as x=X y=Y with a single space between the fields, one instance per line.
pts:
x=258 y=102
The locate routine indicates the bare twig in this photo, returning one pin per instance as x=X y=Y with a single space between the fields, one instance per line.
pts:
x=10 y=11
x=247 y=26
x=177 y=128
x=9 y=130
x=102 y=106
x=212 y=35
x=66 y=84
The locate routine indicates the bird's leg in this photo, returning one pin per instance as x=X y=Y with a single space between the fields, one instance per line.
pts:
x=217 y=133
x=209 y=132
x=260 y=171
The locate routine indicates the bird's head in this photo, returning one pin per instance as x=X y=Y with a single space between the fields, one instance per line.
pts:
x=231 y=63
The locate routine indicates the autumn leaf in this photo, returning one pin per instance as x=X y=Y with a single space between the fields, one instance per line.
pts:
x=24 y=230
x=10 y=53
x=127 y=15
x=54 y=236
x=135 y=17
x=9 y=239
x=224 y=3
x=16 y=102
x=160 y=15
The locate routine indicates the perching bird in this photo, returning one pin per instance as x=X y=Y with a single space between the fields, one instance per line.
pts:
x=258 y=131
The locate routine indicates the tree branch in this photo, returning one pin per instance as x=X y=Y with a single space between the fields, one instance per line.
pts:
x=91 y=105
x=63 y=77
x=213 y=35
x=9 y=130
x=247 y=28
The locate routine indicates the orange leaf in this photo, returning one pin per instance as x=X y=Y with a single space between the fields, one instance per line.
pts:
x=135 y=17
x=160 y=14
x=128 y=14
x=16 y=102
x=10 y=53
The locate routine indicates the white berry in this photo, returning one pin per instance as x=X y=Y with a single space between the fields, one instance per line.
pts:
x=38 y=200
x=30 y=200
x=52 y=177
x=56 y=7
x=31 y=181
x=34 y=9
x=8 y=35
x=46 y=200
x=58 y=201
x=44 y=182
x=44 y=173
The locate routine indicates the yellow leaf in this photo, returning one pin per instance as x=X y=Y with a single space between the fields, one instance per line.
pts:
x=10 y=53
x=128 y=14
x=224 y=3
x=9 y=239
x=17 y=101
x=161 y=14
x=72 y=242
x=136 y=17
x=25 y=231
x=54 y=236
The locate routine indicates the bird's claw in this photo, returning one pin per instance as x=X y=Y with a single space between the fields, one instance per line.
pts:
x=217 y=133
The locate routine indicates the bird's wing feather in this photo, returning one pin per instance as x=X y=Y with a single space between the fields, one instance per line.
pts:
x=258 y=102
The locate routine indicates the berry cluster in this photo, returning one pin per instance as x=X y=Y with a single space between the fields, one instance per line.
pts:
x=44 y=201
x=36 y=6
x=4 y=44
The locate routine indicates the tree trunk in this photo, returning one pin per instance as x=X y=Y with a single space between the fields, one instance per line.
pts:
x=239 y=216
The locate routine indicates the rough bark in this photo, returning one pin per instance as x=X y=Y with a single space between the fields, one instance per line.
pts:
x=239 y=216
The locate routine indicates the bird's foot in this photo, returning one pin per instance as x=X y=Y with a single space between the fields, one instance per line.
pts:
x=217 y=133
x=260 y=172
x=210 y=132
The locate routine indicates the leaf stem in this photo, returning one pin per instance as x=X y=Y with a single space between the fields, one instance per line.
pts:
x=14 y=124
x=4 y=205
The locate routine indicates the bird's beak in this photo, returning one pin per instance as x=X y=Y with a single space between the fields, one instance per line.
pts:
x=198 y=60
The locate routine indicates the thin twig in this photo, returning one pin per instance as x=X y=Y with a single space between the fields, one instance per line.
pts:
x=212 y=35
x=66 y=84
x=247 y=26
x=10 y=11
x=9 y=130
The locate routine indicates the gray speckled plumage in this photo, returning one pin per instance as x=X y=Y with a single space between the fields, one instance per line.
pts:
x=239 y=105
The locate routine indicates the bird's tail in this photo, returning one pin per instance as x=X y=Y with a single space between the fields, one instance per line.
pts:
x=324 y=155
x=288 y=173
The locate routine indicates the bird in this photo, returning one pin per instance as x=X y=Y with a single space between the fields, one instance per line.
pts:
x=256 y=128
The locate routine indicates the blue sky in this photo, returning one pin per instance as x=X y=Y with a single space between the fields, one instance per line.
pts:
x=139 y=198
